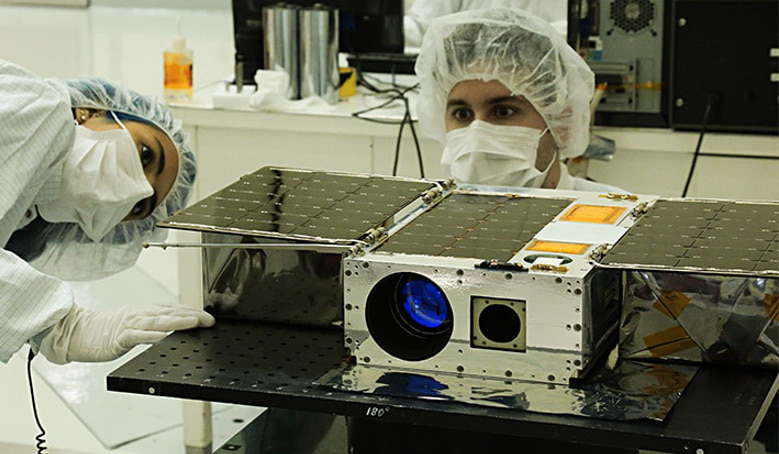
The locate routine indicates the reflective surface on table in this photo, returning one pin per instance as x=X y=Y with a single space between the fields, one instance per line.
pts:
x=631 y=391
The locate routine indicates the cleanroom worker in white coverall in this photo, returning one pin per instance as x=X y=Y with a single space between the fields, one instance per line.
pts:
x=87 y=168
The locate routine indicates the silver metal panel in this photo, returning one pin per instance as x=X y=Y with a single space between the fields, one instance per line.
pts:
x=289 y=286
x=280 y=24
x=558 y=328
x=319 y=53
x=701 y=318
x=631 y=37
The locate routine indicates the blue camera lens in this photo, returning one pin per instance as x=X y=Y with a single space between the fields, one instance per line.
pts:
x=424 y=303
x=409 y=316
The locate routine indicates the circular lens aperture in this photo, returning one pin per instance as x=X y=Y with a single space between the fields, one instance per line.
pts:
x=424 y=303
x=409 y=316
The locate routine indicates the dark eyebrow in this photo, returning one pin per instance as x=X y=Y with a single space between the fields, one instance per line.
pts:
x=161 y=160
x=456 y=102
x=491 y=101
x=508 y=98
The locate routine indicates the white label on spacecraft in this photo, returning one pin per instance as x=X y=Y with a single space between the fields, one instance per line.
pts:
x=580 y=232
x=774 y=52
x=774 y=77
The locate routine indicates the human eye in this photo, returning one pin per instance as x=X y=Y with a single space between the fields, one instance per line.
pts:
x=138 y=209
x=504 y=111
x=461 y=114
x=147 y=155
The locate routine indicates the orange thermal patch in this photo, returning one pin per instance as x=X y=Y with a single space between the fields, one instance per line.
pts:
x=558 y=247
x=672 y=303
x=669 y=341
x=772 y=306
x=596 y=214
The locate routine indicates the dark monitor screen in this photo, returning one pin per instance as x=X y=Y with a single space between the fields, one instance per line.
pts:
x=365 y=26
x=727 y=62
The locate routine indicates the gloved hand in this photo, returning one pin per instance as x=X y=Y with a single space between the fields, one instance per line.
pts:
x=90 y=336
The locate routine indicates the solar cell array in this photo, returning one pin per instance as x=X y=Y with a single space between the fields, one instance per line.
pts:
x=703 y=235
x=490 y=227
x=301 y=203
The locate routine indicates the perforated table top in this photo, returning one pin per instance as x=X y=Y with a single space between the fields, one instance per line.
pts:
x=268 y=365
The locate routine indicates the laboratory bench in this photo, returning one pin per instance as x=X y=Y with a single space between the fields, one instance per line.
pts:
x=280 y=366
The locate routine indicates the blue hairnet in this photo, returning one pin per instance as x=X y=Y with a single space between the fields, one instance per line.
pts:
x=66 y=251
x=98 y=94
x=520 y=50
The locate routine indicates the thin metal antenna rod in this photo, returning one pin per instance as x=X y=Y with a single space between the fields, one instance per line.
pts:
x=295 y=246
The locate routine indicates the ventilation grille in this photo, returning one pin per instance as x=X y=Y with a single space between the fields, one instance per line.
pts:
x=632 y=16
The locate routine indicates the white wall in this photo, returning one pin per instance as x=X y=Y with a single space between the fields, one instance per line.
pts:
x=119 y=43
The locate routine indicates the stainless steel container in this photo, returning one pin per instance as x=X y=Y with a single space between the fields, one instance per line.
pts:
x=281 y=24
x=319 y=53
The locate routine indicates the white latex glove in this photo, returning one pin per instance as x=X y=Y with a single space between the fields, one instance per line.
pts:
x=91 y=336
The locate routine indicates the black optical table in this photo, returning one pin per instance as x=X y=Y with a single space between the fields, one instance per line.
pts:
x=276 y=366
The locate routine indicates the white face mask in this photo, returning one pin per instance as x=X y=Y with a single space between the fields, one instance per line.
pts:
x=102 y=179
x=484 y=153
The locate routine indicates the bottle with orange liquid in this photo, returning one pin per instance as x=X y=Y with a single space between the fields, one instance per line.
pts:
x=178 y=69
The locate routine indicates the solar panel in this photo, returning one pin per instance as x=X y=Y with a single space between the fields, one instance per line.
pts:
x=467 y=225
x=303 y=204
x=702 y=235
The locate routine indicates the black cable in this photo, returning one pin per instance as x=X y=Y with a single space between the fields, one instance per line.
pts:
x=394 y=84
x=710 y=99
x=400 y=96
x=40 y=440
x=416 y=139
x=407 y=119
x=381 y=122
x=371 y=109
x=362 y=80
x=397 y=146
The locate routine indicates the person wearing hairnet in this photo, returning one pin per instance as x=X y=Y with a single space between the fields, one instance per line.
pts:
x=417 y=18
x=508 y=99
x=87 y=169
